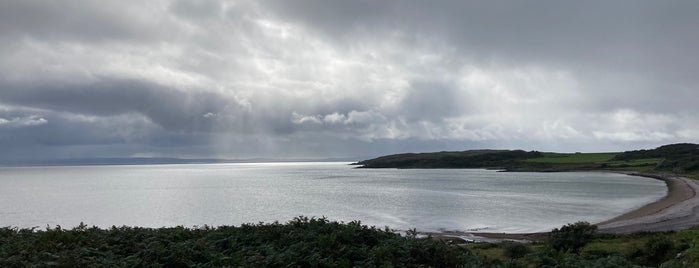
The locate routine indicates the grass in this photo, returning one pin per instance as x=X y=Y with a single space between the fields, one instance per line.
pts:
x=637 y=165
x=693 y=175
x=635 y=162
x=487 y=250
x=641 y=247
x=576 y=158
x=601 y=161
x=675 y=249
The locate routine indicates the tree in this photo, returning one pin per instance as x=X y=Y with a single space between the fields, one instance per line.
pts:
x=515 y=250
x=572 y=237
x=658 y=249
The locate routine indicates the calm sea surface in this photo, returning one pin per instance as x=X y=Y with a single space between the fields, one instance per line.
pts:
x=232 y=194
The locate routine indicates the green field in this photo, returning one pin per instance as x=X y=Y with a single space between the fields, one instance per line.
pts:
x=589 y=161
x=597 y=160
x=648 y=162
x=576 y=158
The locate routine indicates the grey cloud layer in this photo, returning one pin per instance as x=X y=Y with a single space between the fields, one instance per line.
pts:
x=343 y=78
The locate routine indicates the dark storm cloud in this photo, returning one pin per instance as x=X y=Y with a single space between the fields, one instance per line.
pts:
x=168 y=108
x=630 y=54
x=626 y=36
x=89 y=21
x=619 y=32
x=344 y=78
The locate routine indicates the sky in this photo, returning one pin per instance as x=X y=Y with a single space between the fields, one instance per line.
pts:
x=349 y=79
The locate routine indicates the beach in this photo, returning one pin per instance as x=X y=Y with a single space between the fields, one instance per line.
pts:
x=678 y=210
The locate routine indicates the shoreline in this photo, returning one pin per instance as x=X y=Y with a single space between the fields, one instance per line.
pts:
x=677 y=210
x=678 y=190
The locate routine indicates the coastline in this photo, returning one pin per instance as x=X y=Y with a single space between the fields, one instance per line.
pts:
x=677 y=191
x=678 y=210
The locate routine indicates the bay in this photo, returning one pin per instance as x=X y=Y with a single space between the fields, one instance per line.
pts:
x=430 y=200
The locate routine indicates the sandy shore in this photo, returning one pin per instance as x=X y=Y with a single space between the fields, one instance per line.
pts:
x=678 y=210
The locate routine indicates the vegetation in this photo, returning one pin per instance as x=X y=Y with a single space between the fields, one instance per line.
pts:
x=465 y=159
x=317 y=242
x=514 y=250
x=302 y=242
x=575 y=158
x=675 y=158
x=670 y=249
x=571 y=237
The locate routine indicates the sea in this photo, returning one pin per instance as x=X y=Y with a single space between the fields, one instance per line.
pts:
x=428 y=200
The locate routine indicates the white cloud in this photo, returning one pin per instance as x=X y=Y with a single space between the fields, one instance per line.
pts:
x=302 y=119
x=627 y=136
x=28 y=121
x=335 y=118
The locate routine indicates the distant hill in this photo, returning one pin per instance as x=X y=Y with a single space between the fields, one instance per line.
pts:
x=678 y=158
x=464 y=159
x=682 y=158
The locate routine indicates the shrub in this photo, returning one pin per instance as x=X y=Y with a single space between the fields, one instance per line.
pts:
x=658 y=249
x=572 y=237
x=515 y=250
x=302 y=242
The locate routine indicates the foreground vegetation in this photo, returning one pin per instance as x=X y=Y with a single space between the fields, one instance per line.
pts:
x=584 y=248
x=302 y=242
x=682 y=159
x=313 y=242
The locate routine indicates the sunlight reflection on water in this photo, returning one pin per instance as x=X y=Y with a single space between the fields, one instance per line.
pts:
x=232 y=194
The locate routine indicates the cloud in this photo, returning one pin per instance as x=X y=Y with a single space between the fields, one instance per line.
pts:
x=350 y=78
x=32 y=120
x=83 y=21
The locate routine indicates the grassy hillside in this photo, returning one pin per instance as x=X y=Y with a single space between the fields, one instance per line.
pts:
x=681 y=159
x=465 y=159
x=677 y=158
x=573 y=158
x=587 y=161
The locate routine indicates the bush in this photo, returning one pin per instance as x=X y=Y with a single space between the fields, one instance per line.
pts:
x=515 y=250
x=302 y=242
x=572 y=237
x=658 y=249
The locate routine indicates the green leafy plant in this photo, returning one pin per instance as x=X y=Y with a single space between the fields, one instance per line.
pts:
x=572 y=237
